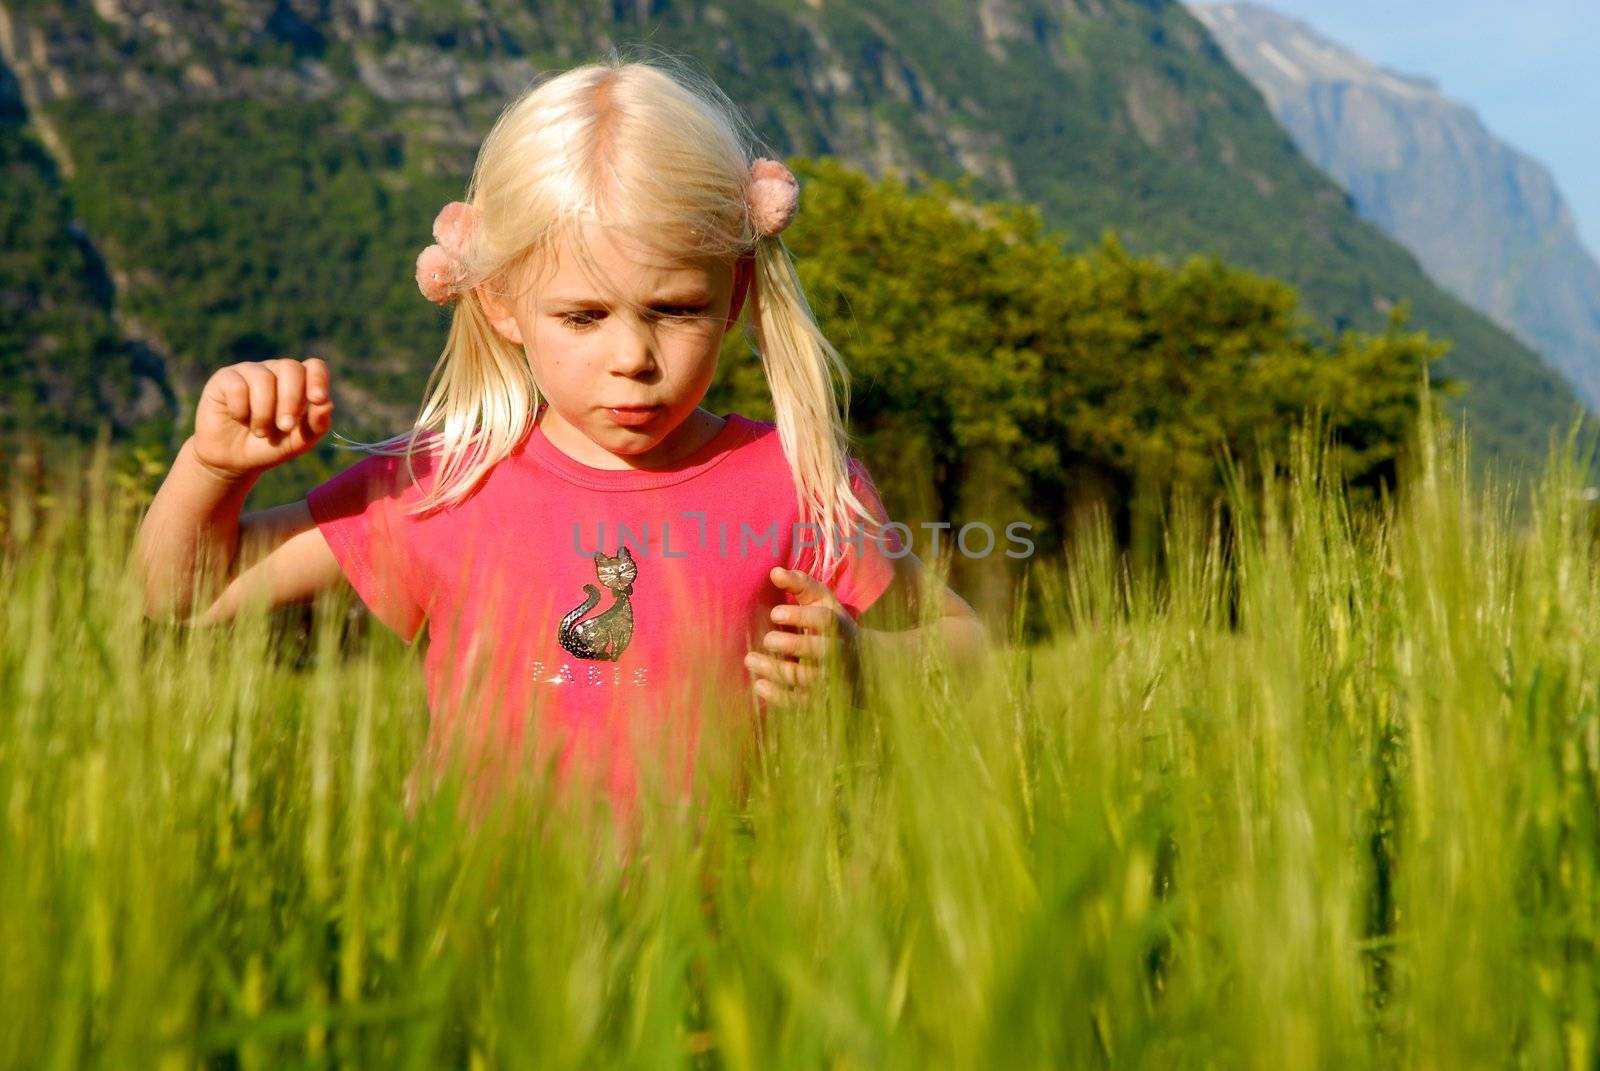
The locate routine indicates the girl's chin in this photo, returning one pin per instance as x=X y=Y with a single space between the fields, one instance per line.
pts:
x=631 y=442
x=634 y=440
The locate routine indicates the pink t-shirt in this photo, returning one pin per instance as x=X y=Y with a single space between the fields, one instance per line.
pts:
x=596 y=603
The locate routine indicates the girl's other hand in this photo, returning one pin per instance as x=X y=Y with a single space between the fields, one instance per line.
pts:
x=258 y=414
x=792 y=661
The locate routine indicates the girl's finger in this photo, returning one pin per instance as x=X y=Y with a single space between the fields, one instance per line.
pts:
x=314 y=423
x=234 y=393
x=263 y=397
x=291 y=393
x=319 y=382
x=797 y=644
x=807 y=589
x=319 y=418
x=814 y=618
x=779 y=670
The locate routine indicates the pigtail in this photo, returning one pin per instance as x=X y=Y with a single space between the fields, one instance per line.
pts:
x=802 y=370
x=480 y=400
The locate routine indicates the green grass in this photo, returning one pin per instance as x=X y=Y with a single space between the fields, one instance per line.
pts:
x=1325 y=795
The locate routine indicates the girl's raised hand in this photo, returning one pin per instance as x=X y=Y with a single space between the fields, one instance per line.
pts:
x=792 y=661
x=258 y=414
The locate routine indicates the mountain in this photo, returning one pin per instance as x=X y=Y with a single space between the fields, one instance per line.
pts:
x=1486 y=221
x=255 y=177
x=63 y=360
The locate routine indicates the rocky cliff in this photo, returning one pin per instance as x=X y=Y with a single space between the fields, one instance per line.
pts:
x=1485 y=220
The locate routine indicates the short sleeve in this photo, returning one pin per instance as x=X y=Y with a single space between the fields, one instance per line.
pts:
x=359 y=514
x=866 y=568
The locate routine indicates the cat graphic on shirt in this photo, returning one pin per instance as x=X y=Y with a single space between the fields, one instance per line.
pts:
x=607 y=634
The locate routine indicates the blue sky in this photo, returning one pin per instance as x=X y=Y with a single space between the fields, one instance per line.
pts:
x=1530 y=69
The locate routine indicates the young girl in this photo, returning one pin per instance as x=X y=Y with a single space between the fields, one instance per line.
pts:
x=582 y=539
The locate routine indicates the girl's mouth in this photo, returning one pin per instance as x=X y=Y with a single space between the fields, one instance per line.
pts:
x=635 y=417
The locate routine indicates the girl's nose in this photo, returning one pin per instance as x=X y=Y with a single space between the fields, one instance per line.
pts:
x=633 y=353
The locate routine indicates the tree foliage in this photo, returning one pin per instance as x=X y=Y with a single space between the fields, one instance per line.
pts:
x=991 y=367
x=62 y=367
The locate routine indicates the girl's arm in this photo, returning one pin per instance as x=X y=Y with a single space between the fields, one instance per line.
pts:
x=814 y=628
x=960 y=629
x=198 y=559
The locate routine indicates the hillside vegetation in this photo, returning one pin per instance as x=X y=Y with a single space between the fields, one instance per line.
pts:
x=997 y=378
x=257 y=177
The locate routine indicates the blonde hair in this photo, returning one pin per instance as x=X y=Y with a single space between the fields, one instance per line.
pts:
x=663 y=156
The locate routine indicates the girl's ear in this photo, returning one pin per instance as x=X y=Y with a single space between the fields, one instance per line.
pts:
x=498 y=311
x=744 y=270
x=499 y=315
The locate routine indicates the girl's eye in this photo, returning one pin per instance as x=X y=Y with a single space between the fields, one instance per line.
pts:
x=581 y=320
x=681 y=312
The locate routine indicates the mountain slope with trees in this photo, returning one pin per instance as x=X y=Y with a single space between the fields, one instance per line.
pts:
x=257 y=175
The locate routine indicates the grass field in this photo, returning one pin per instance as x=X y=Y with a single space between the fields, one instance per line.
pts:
x=1327 y=795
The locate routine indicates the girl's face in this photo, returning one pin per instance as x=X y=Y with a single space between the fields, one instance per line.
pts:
x=624 y=365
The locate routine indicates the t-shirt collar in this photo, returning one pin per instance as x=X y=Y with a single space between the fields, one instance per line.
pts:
x=539 y=449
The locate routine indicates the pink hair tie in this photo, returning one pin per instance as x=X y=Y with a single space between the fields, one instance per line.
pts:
x=441 y=267
x=772 y=198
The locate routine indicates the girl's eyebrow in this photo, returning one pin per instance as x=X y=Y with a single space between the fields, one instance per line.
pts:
x=675 y=297
x=572 y=303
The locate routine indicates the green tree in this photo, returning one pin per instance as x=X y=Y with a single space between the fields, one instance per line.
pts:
x=994 y=371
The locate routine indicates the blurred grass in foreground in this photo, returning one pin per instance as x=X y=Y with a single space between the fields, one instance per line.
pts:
x=1325 y=795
